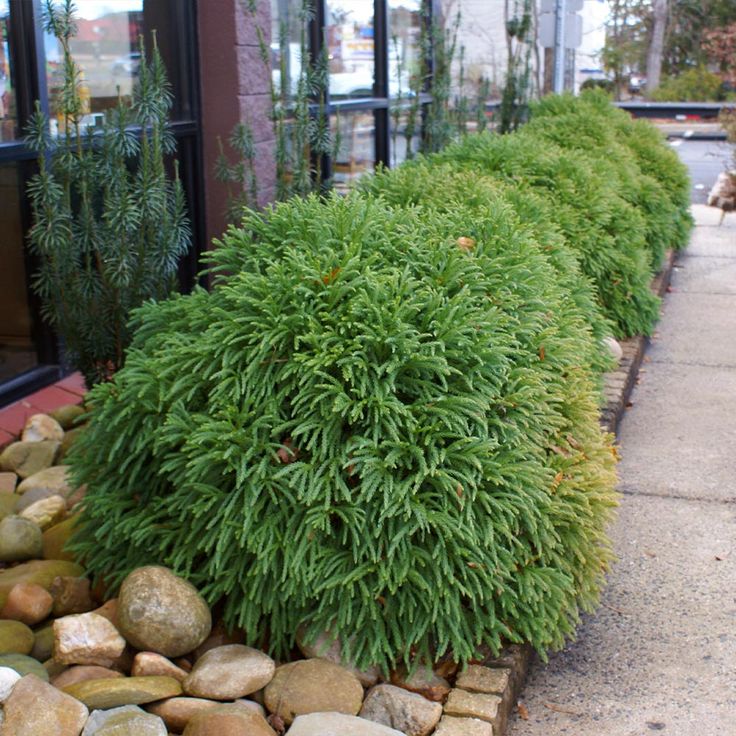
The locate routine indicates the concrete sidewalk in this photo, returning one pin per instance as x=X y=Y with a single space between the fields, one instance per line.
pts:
x=659 y=655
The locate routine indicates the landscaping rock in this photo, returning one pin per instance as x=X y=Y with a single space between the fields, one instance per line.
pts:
x=7 y=504
x=43 y=643
x=28 y=603
x=113 y=692
x=20 y=539
x=218 y=637
x=614 y=348
x=24 y=665
x=67 y=415
x=45 y=513
x=177 y=712
x=35 y=708
x=70 y=437
x=408 y=712
x=55 y=478
x=229 y=672
x=310 y=686
x=71 y=595
x=40 y=427
x=35 y=494
x=473 y=705
x=128 y=720
x=228 y=720
x=109 y=610
x=423 y=681
x=54 y=539
x=160 y=612
x=27 y=458
x=8 y=482
x=86 y=639
x=15 y=638
x=8 y=678
x=150 y=663
x=479 y=679
x=338 y=724
x=82 y=673
x=42 y=572
x=451 y=726
x=327 y=646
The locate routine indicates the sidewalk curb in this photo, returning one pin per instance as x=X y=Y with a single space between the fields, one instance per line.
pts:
x=618 y=386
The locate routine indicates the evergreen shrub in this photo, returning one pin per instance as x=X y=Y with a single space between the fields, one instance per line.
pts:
x=381 y=421
x=607 y=232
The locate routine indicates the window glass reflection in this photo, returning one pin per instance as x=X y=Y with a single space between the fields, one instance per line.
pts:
x=356 y=153
x=17 y=349
x=8 y=119
x=404 y=29
x=105 y=47
x=350 y=45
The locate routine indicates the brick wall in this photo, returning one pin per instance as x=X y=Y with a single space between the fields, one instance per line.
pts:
x=235 y=87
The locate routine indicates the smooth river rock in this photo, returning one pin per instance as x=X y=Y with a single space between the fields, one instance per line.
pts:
x=229 y=672
x=24 y=665
x=128 y=720
x=35 y=708
x=27 y=458
x=15 y=637
x=228 y=720
x=338 y=724
x=111 y=693
x=28 y=603
x=40 y=427
x=160 y=612
x=20 y=539
x=8 y=678
x=54 y=479
x=310 y=686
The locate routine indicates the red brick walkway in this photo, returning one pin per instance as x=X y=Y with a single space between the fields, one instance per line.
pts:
x=70 y=390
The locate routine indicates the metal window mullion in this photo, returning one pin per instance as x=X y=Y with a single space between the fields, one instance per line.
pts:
x=381 y=81
x=316 y=33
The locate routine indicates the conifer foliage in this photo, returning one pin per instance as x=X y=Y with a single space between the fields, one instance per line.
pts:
x=369 y=425
x=109 y=225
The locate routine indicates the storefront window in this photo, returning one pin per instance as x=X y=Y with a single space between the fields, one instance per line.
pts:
x=17 y=349
x=357 y=151
x=8 y=116
x=349 y=37
x=288 y=32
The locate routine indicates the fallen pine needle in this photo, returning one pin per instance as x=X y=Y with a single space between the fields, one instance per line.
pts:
x=523 y=711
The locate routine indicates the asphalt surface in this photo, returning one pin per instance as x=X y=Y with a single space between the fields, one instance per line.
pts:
x=705 y=160
x=659 y=655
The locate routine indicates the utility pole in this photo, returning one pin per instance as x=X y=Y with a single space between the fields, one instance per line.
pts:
x=559 y=77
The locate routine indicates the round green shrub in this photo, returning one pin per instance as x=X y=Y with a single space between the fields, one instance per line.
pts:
x=607 y=233
x=374 y=423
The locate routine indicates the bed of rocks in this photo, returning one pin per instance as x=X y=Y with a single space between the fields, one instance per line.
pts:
x=155 y=660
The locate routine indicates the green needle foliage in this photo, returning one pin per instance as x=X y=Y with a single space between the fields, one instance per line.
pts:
x=109 y=225
x=368 y=425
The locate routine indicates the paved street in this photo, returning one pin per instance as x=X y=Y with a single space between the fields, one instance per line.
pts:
x=660 y=653
x=705 y=160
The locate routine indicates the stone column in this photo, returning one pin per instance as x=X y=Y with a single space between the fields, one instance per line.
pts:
x=235 y=88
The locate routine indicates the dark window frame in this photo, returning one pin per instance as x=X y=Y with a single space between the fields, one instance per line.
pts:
x=26 y=46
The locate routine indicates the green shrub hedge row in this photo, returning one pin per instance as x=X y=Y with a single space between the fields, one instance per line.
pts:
x=382 y=420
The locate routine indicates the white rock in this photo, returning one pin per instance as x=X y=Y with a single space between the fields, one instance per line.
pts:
x=614 y=348
x=127 y=720
x=338 y=724
x=86 y=638
x=8 y=678
x=41 y=427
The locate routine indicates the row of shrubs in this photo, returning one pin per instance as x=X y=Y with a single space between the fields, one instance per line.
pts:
x=383 y=418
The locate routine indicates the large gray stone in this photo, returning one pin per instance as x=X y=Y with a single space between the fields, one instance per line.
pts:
x=338 y=724
x=160 y=612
